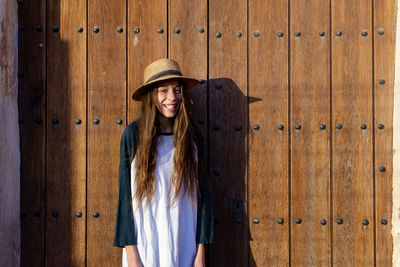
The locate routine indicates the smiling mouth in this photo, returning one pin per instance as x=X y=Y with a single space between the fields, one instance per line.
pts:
x=170 y=107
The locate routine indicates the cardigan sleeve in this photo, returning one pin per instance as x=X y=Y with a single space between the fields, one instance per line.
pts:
x=205 y=212
x=124 y=225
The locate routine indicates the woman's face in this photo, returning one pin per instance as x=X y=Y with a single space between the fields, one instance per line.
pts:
x=168 y=97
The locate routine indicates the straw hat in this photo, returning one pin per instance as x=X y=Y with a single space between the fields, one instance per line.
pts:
x=161 y=70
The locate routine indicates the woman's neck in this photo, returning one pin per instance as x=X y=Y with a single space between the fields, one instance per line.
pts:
x=166 y=124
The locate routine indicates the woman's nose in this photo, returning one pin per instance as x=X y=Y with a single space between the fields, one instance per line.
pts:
x=171 y=94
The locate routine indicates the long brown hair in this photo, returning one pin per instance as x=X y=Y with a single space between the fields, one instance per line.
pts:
x=185 y=165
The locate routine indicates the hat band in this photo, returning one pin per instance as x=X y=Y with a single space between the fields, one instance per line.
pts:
x=163 y=73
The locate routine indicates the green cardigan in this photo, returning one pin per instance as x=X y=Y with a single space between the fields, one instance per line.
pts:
x=124 y=226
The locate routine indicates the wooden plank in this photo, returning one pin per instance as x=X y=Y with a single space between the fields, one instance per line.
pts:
x=191 y=58
x=384 y=66
x=310 y=145
x=107 y=103
x=66 y=140
x=227 y=146
x=352 y=180
x=268 y=146
x=31 y=104
x=147 y=42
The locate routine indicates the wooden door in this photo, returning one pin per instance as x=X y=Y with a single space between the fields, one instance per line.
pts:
x=295 y=104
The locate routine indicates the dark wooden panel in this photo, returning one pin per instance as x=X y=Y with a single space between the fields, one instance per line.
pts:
x=147 y=41
x=191 y=58
x=384 y=60
x=66 y=140
x=31 y=101
x=107 y=103
x=352 y=180
x=310 y=145
x=268 y=146
x=227 y=146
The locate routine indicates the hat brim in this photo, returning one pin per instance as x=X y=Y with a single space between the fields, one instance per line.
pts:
x=188 y=83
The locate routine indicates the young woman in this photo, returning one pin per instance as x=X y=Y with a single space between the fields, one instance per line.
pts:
x=164 y=214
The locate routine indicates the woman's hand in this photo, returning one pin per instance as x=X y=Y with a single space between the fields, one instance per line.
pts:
x=132 y=257
x=200 y=260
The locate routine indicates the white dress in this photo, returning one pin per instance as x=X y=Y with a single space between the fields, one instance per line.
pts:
x=166 y=232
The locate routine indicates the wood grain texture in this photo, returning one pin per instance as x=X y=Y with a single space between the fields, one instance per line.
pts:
x=310 y=145
x=268 y=146
x=384 y=60
x=31 y=102
x=352 y=165
x=191 y=58
x=107 y=103
x=145 y=46
x=66 y=140
x=227 y=146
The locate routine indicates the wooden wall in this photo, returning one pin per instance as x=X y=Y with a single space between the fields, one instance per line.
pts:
x=295 y=104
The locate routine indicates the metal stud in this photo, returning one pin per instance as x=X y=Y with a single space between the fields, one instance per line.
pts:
x=96 y=121
x=297 y=126
x=365 y=222
x=384 y=222
x=218 y=35
x=201 y=30
x=136 y=30
x=381 y=126
x=339 y=126
x=238 y=127
x=298 y=221
x=120 y=30
x=382 y=168
x=55 y=121
x=381 y=32
x=202 y=81
x=256 y=34
x=160 y=30
x=340 y=221
x=322 y=33
x=381 y=81
x=216 y=127
x=256 y=127
x=338 y=33
x=297 y=34
x=364 y=33
x=239 y=34
x=24 y=214
x=322 y=222
x=322 y=126
x=363 y=126
x=177 y=30
x=36 y=214
x=96 y=29
x=281 y=127
x=217 y=173
x=80 y=29
x=96 y=214
x=54 y=214
x=200 y=121
x=119 y=121
x=78 y=121
x=39 y=121
x=280 y=34
x=256 y=220
x=78 y=214
x=218 y=85
x=39 y=28
x=281 y=220
x=56 y=29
